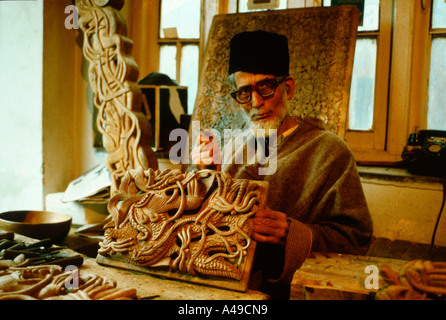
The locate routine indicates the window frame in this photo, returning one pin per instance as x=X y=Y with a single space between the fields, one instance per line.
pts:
x=423 y=36
x=375 y=139
x=400 y=109
x=431 y=34
x=408 y=84
x=179 y=43
x=371 y=146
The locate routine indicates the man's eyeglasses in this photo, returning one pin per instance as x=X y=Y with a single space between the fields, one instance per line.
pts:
x=265 y=88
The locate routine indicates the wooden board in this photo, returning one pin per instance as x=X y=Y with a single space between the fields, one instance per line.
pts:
x=242 y=286
x=206 y=241
x=338 y=277
x=405 y=250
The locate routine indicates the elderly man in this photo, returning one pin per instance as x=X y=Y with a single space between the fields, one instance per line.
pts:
x=315 y=200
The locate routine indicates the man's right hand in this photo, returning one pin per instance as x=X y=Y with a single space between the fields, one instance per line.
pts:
x=206 y=154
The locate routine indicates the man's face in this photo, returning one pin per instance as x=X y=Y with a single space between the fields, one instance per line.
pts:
x=265 y=113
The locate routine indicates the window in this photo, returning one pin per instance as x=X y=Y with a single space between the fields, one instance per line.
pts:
x=367 y=117
x=179 y=41
x=436 y=114
x=362 y=95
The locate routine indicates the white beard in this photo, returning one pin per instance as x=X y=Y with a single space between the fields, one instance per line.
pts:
x=274 y=124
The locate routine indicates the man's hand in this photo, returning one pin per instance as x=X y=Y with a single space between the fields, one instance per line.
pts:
x=206 y=153
x=270 y=226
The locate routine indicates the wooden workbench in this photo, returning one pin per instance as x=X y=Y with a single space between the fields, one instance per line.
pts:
x=166 y=289
x=321 y=277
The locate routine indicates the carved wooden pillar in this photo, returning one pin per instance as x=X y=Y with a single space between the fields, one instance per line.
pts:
x=113 y=75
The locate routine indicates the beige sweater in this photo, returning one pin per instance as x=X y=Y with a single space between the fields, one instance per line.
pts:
x=317 y=185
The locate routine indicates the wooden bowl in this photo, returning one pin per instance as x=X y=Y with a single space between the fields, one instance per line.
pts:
x=37 y=224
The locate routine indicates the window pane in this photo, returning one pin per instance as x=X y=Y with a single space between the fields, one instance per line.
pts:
x=439 y=14
x=168 y=57
x=183 y=15
x=371 y=14
x=189 y=73
x=362 y=94
x=296 y=4
x=436 y=117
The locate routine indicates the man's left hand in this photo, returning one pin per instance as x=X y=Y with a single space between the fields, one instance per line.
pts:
x=270 y=226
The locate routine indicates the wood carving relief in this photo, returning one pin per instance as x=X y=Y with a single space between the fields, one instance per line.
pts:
x=418 y=280
x=190 y=226
x=113 y=76
x=321 y=45
x=52 y=282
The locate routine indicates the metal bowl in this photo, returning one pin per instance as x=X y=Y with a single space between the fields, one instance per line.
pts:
x=37 y=224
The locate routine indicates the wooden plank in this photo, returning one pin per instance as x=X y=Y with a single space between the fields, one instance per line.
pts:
x=379 y=247
x=324 y=293
x=398 y=248
x=439 y=254
x=417 y=251
x=338 y=276
x=117 y=261
x=405 y=250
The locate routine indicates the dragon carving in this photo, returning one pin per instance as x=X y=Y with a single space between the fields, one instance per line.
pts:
x=196 y=222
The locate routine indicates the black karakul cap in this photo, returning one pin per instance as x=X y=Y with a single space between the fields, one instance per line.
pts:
x=259 y=52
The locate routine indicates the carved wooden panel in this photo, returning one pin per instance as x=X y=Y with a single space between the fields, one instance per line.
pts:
x=193 y=226
x=321 y=45
x=113 y=76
